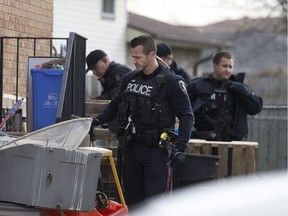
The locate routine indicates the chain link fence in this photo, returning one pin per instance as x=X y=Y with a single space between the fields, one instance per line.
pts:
x=269 y=129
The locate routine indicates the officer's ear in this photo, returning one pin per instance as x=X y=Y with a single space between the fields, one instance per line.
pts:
x=214 y=66
x=105 y=59
x=152 y=54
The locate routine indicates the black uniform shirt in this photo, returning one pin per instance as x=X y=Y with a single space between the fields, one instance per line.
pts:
x=174 y=92
x=243 y=100
x=112 y=80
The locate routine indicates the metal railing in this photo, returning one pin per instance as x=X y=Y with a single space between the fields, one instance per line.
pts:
x=17 y=50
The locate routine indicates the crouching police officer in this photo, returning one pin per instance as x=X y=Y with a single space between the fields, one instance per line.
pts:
x=149 y=100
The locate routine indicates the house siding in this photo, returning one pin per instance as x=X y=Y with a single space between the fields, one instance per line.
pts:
x=84 y=18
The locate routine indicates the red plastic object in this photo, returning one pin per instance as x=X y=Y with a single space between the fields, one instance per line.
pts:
x=73 y=213
x=114 y=209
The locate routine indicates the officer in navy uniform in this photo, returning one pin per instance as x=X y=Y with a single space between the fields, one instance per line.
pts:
x=109 y=73
x=164 y=51
x=149 y=100
x=221 y=102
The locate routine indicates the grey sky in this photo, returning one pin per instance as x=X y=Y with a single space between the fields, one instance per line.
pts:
x=197 y=13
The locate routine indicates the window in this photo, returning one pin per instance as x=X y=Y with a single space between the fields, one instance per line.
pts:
x=108 y=9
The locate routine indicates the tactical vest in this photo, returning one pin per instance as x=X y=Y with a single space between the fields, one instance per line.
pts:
x=141 y=102
x=215 y=119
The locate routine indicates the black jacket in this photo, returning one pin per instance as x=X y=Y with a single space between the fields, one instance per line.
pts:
x=112 y=80
x=180 y=71
x=174 y=92
x=243 y=99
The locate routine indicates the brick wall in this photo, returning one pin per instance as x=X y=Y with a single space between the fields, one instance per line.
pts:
x=23 y=18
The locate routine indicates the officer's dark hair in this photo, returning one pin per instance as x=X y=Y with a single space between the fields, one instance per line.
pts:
x=146 y=41
x=222 y=54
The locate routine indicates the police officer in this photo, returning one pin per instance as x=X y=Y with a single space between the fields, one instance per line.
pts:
x=109 y=73
x=164 y=51
x=149 y=100
x=221 y=102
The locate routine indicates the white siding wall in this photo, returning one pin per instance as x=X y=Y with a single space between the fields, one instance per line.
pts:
x=84 y=18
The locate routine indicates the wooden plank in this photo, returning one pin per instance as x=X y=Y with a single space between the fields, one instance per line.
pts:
x=206 y=148
x=238 y=160
x=50 y=64
x=93 y=107
x=190 y=147
x=222 y=166
x=246 y=143
x=194 y=149
x=251 y=159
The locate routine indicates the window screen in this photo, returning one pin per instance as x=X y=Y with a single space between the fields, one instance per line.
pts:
x=108 y=8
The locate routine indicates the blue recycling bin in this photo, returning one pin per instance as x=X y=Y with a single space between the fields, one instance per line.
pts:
x=46 y=86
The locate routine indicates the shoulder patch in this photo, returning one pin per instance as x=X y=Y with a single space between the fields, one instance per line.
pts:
x=182 y=86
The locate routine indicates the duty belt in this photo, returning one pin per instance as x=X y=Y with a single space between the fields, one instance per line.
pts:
x=150 y=138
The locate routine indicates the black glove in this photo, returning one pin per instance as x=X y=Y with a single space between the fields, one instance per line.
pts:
x=95 y=123
x=176 y=159
x=177 y=156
